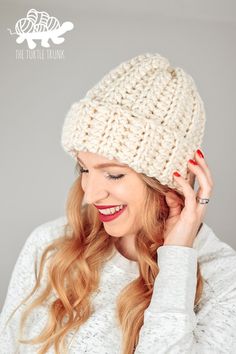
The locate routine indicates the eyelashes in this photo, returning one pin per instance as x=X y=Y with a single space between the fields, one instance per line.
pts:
x=82 y=170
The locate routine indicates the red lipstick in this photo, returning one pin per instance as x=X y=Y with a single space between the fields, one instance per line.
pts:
x=107 y=218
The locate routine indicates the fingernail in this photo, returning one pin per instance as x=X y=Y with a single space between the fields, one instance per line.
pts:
x=176 y=174
x=199 y=152
x=193 y=162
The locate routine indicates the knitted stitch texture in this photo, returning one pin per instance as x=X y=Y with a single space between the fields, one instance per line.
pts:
x=144 y=113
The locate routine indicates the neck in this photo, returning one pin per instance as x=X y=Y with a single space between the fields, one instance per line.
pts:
x=126 y=247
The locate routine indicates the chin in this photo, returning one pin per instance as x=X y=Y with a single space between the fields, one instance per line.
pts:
x=112 y=233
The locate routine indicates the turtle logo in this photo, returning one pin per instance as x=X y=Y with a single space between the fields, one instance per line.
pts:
x=39 y=25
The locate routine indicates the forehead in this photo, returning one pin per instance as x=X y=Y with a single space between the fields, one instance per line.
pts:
x=92 y=156
x=97 y=160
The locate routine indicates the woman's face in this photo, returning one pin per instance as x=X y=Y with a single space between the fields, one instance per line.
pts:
x=101 y=189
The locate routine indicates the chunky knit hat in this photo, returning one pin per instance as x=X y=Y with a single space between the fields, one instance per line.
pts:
x=144 y=113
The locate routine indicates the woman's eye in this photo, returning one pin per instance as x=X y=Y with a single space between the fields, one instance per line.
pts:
x=82 y=170
x=114 y=177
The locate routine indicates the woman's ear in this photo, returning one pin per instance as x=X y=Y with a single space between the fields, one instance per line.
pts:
x=173 y=199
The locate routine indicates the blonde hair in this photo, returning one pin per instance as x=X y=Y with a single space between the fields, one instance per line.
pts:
x=81 y=254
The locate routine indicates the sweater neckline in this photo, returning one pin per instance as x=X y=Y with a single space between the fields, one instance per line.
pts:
x=125 y=264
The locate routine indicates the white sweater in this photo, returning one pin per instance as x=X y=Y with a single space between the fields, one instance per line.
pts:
x=172 y=325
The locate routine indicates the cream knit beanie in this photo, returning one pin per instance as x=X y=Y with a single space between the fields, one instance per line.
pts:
x=143 y=113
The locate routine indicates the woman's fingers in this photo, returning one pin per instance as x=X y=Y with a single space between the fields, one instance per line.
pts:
x=201 y=177
x=202 y=163
x=189 y=194
x=200 y=169
x=205 y=189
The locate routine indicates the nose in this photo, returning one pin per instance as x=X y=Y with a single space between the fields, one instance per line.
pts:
x=94 y=190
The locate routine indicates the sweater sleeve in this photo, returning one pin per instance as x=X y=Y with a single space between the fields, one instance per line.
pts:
x=170 y=323
x=21 y=283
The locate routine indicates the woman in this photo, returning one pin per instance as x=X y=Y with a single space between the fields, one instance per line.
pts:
x=149 y=275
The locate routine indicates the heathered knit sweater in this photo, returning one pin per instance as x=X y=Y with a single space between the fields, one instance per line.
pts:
x=172 y=325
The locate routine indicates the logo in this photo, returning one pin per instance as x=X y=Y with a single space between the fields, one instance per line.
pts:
x=40 y=26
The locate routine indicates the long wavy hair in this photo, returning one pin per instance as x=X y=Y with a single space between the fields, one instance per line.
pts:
x=76 y=261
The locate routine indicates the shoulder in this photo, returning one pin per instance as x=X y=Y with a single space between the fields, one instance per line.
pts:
x=209 y=245
x=36 y=242
x=50 y=228
x=39 y=238
x=217 y=261
x=45 y=233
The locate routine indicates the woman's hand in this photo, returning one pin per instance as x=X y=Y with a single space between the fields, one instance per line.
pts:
x=183 y=224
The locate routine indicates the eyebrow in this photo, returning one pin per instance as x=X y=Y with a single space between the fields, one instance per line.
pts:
x=101 y=165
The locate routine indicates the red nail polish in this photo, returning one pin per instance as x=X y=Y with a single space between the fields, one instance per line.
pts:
x=193 y=162
x=199 y=152
x=176 y=174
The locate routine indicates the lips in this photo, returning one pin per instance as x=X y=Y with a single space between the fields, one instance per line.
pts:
x=106 y=218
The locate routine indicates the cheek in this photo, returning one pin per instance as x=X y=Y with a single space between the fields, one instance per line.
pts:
x=120 y=190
